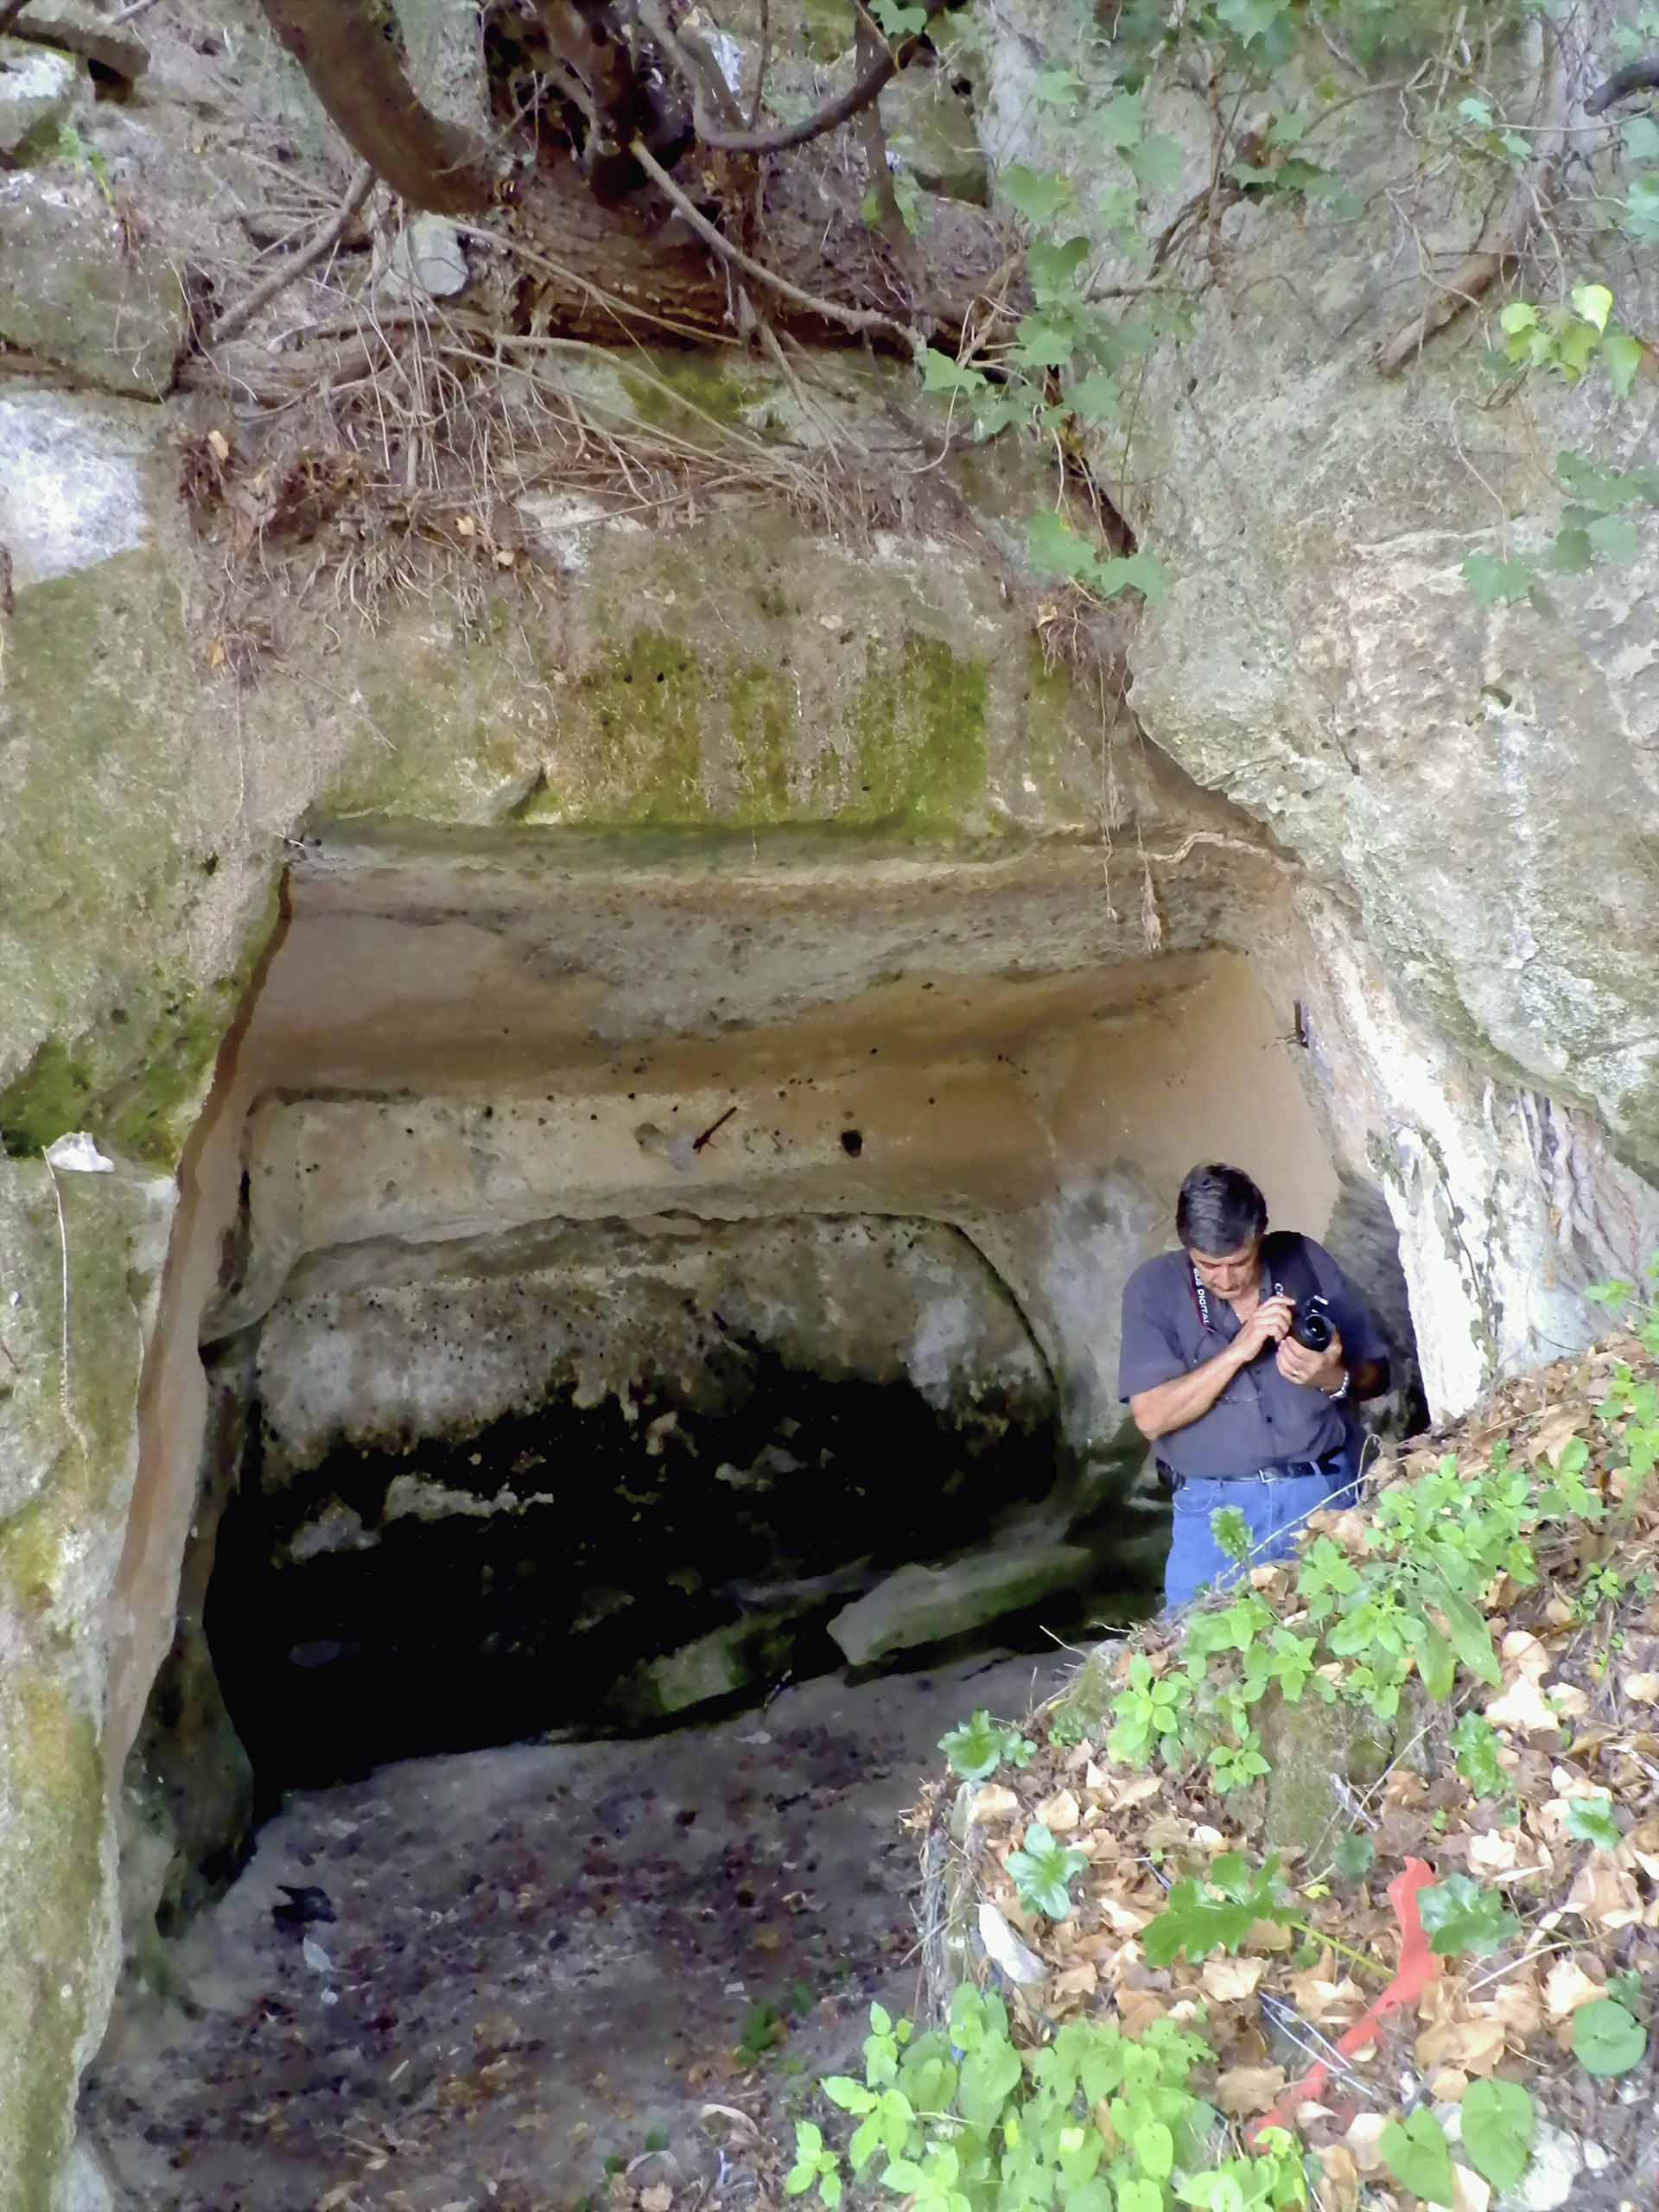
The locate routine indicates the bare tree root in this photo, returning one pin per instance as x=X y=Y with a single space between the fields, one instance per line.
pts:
x=1474 y=275
x=867 y=322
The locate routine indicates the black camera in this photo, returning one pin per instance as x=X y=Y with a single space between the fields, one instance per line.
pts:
x=1310 y=1324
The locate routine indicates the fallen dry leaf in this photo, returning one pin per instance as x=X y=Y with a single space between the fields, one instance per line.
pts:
x=1230 y=1980
x=1523 y=1705
x=1605 y=1897
x=1061 y=1814
x=1364 y=2140
x=658 y=2198
x=993 y=1802
x=1470 y=2192
x=1476 y=2046
x=1244 y=2090
x=1566 y=1987
x=1641 y=1690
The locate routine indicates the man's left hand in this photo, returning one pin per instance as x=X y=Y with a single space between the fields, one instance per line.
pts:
x=1314 y=1370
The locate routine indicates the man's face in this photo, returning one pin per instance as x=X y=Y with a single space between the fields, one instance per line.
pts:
x=1229 y=1274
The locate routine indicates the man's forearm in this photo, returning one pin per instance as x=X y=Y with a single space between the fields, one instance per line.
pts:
x=1185 y=1398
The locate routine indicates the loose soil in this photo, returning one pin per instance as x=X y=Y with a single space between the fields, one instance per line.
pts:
x=543 y=1964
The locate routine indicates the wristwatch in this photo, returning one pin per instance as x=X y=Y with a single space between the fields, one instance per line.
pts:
x=1341 y=1391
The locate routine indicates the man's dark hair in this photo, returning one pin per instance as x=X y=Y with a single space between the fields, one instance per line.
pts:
x=1219 y=1209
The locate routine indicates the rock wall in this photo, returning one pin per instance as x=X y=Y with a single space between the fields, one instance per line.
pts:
x=819 y=766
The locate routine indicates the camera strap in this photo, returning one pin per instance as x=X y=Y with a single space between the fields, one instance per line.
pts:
x=1287 y=1267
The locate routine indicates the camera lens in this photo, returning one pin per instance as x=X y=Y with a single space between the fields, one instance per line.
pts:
x=1312 y=1328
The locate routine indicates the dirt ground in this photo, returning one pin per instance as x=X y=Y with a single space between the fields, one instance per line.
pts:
x=544 y=1964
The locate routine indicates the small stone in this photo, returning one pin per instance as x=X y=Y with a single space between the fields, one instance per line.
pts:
x=427 y=260
x=37 y=90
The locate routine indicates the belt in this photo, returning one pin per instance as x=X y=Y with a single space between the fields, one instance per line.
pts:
x=1288 y=1470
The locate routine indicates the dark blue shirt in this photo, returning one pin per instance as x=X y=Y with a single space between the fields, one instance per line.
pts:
x=1261 y=1420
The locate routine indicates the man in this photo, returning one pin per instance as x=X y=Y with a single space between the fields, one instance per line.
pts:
x=1243 y=1415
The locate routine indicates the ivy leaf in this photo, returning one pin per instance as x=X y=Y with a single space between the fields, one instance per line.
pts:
x=1159 y=163
x=1606 y=2039
x=1118 y=123
x=1498 y=2125
x=1417 y=2154
x=1571 y=552
x=1053 y=270
x=1056 y=88
x=1353 y=1857
x=1054 y=548
x=899 y=22
x=1642 y=138
x=1517 y=317
x=1594 y=302
x=941 y=373
x=1621 y=355
x=1037 y=195
x=1043 y=343
x=1096 y=398
x=1589 y=1820
x=1250 y=20
x=1142 y=572
x=1491 y=580
x=1615 y=536
x=1457 y=1915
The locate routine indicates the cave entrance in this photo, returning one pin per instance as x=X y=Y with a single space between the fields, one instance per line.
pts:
x=645 y=1302
x=643 y=1281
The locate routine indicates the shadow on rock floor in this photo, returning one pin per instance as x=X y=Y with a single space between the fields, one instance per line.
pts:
x=544 y=1960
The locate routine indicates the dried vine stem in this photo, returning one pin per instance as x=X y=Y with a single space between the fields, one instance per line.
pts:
x=866 y=322
x=1475 y=273
x=237 y=318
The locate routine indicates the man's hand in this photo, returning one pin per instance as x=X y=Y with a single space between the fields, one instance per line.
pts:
x=1268 y=1325
x=1314 y=1370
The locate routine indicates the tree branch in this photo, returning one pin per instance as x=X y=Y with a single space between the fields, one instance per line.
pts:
x=830 y=117
x=359 y=75
x=865 y=321
x=237 y=318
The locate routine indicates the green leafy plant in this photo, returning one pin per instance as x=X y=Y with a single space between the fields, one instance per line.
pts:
x=1457 y=1915
x=1095 y=2121
x=1417 y=2153
x=1499 y=2125
x=1043 y=1871
x=1217 y=1914
x=979 y=1746
x=1589 y=1820
x=813 y=2164
x=1354 y=1857
x=1477 y=1744
x=1148 y=1713
x=1607 y=2038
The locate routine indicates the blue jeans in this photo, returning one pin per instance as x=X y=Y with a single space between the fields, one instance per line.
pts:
x=1274 y=1513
